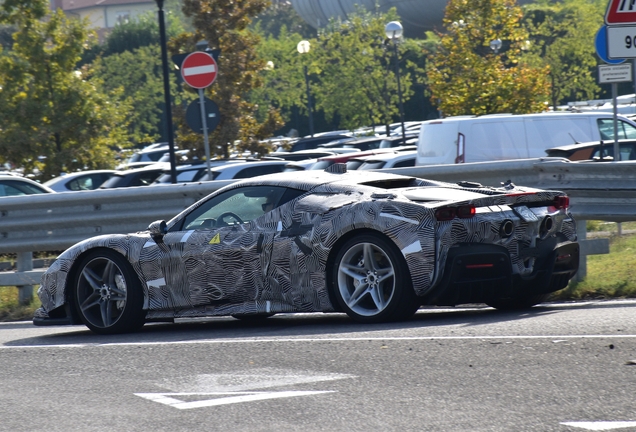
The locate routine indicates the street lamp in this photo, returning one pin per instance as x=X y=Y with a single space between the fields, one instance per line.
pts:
x=393 y=31
x=166 y=90
x=303 y=48
x=495 y=45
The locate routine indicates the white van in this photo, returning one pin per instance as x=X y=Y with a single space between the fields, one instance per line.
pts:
x=506 y=136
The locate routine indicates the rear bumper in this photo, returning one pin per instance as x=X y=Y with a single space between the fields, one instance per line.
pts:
x=479 y=273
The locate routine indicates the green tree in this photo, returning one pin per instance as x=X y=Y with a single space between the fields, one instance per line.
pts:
x=355 y=64
x=224 y=25
x=351 y=67
x=137 y=76
x=46 y=107
x=562 y=37
x=466 y=76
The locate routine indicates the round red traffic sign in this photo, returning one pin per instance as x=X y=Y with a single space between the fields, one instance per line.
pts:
x=199 y=69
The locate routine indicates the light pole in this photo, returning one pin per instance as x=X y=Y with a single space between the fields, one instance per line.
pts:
x=393 y=31
x=166 y=90
x=303 y=48
x=495 y=45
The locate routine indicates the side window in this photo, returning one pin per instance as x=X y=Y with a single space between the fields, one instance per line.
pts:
x=625 y=130
x=237 y=206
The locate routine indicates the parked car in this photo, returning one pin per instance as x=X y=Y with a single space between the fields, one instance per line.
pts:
x=144 y=176
x=373 y=245
x=385 y=160
x=243 y=170
x=308 y=143
x=326 y=162
x=11 y=185
x=510 y=136
x=298 y=155
x=598 y=151
x=79 y=181
x=149 y=154
x=190 y=173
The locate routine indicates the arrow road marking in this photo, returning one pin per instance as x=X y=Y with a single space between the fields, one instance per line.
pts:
x=231 y=398
x=601 y=425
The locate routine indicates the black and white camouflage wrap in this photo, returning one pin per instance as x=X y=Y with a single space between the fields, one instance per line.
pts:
x=279 y=261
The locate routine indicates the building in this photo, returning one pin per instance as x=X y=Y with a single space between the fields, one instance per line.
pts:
x=105 y=14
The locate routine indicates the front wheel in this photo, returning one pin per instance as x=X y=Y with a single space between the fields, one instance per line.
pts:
x=108 y=295
x=371 y=281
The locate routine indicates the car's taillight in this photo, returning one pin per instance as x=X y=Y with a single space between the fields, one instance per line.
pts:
x=449 y=213
x=561 y=202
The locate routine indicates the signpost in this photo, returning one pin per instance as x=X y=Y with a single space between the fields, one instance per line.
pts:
x=620 y=18
x=199 y=71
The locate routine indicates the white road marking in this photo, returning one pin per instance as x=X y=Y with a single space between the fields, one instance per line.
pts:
x=601 y=425
x=327 y=339
x=237 y=387
x=232 y=398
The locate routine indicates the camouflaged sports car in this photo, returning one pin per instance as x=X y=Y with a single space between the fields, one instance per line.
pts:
x=375 y=246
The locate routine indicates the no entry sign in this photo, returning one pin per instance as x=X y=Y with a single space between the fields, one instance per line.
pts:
x=199 y=70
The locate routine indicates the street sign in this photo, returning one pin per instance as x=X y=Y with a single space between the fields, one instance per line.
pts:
x=199 y=70
x=621 y=42
x=620 y=12
x=194 y=117
x=615 y=73
x=600 y=43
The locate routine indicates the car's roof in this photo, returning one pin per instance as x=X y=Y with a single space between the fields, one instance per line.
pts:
x=70 y=176
x=13 y=178
x=388 y=156
x=155 y=166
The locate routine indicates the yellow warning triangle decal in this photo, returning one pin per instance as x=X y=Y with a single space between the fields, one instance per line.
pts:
x=216 y=239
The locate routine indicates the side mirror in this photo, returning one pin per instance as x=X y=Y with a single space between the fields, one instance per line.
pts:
x=158 y=228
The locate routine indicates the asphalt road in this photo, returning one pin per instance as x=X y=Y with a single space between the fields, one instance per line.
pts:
x=558 y=367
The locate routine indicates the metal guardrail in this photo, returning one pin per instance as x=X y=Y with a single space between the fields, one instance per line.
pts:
x=52 y=222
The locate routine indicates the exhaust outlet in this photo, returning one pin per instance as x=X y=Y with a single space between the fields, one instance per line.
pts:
x=546 y=226
x=506 y=228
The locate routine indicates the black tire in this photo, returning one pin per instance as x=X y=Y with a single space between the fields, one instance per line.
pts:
x=371 y=281
x=107 y=293
x=519 y=302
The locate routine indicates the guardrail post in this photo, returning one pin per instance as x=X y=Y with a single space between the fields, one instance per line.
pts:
x=25 y=263
x=581 y=233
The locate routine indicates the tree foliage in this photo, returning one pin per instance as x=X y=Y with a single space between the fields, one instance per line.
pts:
x=562 y=37
x=351 y=69
x=224 y=25
x=467 y=77
x=48 y=112
x=355 y=64
x=137 y=77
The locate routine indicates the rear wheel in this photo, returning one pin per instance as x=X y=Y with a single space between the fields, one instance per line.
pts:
x=371 y=281
x=108 y=295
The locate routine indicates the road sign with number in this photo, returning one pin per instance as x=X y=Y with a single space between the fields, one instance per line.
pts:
x=621 y=42
x=621 y=12
x=199 y=70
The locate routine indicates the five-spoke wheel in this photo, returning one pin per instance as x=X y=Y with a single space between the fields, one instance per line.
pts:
x=371 y=280
x=108 y=295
